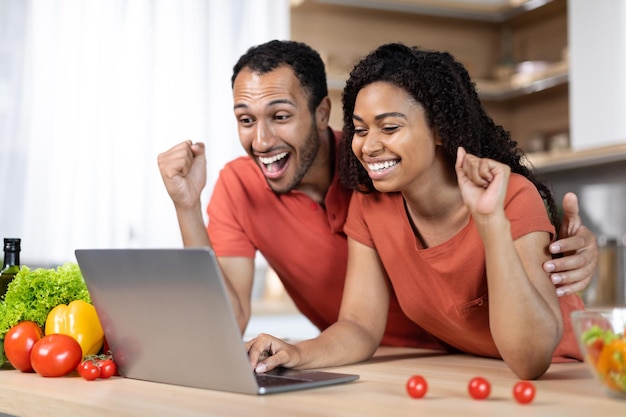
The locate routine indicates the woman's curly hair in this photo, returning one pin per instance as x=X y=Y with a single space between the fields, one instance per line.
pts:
x=453 y=110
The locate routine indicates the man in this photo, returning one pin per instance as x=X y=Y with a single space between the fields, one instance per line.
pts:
x=285 y=200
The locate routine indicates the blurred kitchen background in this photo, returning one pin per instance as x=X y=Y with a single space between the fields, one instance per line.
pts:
x=92 y=90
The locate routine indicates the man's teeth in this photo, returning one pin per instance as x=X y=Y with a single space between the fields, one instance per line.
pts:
x=381 y=166
x=272 y=159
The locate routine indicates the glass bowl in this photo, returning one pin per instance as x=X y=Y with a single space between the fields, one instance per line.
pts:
x=602 y=341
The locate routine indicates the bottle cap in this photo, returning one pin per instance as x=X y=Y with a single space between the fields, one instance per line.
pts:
x=11 y=244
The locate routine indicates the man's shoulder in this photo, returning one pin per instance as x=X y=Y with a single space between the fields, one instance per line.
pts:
x=243 y=161
x=241 y=167
x=239 y=182
x=241 y=174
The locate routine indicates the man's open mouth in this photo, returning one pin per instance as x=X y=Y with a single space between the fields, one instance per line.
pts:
x=274 y=166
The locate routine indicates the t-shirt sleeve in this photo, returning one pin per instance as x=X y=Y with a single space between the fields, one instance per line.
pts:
x=525 y=208
x=356 y=225
x=225 y=230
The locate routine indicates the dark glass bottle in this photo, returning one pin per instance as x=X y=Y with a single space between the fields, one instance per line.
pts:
x=11 y=263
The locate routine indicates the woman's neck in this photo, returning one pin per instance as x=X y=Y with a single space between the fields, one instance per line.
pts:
x=435 y=207
x=440 y=223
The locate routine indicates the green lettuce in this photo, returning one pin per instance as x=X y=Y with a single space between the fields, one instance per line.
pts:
x=33 y=293
x=596 y=332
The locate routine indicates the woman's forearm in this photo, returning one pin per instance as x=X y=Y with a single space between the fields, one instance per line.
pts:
x=342 y=343
x=524 y=313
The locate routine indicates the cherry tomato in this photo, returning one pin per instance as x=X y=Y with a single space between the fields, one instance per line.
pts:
x=416 y=386
x=524 y=392
x=18 y=343
x=594 y=349
x=479 y=388
x=88 y=370
x=107 y=368
x=55 y=355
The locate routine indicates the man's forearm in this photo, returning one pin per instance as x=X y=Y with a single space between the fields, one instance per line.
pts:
x=192 y=227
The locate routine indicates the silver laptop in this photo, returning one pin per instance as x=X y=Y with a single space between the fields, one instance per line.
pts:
x=167 y=318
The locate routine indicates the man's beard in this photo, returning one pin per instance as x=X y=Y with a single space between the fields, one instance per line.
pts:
x=303 y=164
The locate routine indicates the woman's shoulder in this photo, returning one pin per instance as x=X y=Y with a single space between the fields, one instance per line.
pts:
x=519 y=184
x=519 y=181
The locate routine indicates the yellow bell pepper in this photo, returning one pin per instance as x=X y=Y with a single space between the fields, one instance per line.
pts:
x=79 y=320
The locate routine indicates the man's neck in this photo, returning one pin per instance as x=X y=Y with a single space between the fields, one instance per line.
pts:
x=316 y=182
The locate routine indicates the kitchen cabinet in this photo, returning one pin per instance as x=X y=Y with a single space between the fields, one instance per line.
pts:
x=489 y=39
x=598 y=80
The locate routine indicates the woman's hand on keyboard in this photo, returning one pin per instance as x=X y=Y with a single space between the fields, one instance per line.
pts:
x=266 y=352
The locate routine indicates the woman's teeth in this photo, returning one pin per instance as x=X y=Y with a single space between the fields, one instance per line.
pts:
x=381 y=166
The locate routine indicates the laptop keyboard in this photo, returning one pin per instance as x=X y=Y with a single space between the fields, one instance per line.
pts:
x=265 y=380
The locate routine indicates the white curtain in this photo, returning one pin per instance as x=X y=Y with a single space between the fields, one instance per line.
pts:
x=91 y=91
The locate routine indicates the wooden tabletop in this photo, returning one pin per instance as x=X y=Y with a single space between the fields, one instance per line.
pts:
x=565 y=390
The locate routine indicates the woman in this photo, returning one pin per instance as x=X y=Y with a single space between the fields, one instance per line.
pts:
x=447 y=215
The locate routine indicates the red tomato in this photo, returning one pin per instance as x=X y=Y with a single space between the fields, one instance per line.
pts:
x=88 y=370
x=594 y=349
x=55 y=355
x=19 y=341
x=416 y=386
x=524 y=392
x=107 y=368
x=479 y=388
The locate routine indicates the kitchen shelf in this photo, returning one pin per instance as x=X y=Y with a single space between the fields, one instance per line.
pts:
x=498 y=91
x=524 y=99
x=496 y=13
x=507 y=90
x=547 y=162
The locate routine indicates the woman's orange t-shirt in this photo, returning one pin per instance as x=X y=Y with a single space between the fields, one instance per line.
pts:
x=444 y=288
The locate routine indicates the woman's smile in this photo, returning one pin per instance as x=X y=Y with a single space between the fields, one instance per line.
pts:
x=379 y=170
